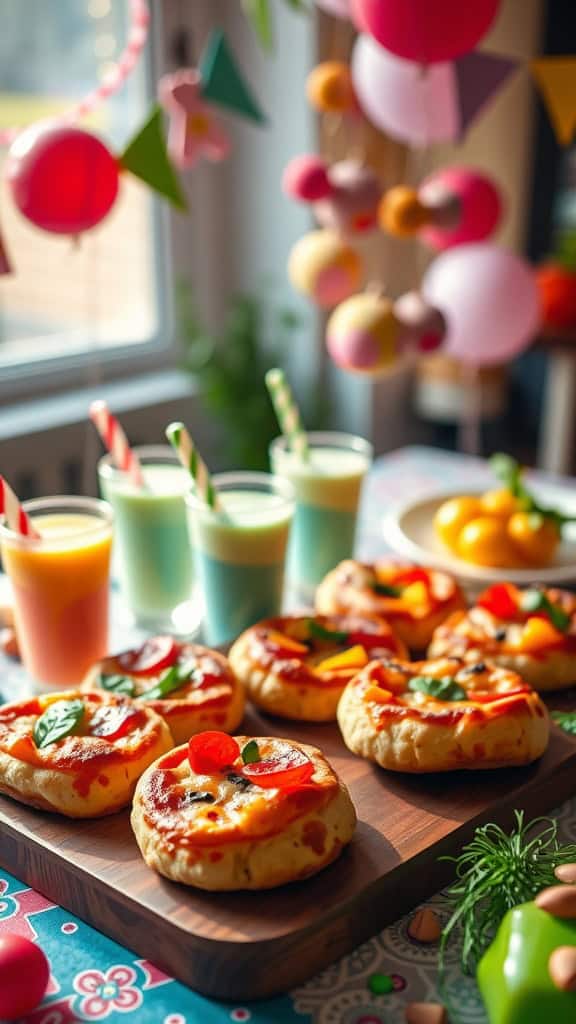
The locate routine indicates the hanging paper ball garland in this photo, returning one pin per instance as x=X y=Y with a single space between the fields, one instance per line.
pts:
x=325 y=268
x=489 y=299
x=63 y=179
x=425 y=31
x=352 y=204
x=401 y=212
x=329 y=88
x=423 y=327
x=306 y=178
x=362 y=334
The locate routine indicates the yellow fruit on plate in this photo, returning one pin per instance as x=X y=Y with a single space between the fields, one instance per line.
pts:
x=535 y=538
x=453 y=515
x=501 y=503
x=485 y=541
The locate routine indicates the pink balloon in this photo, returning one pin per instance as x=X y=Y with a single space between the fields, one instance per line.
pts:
x=339 y=8
x=426 y=31
x=397 y=96
x=489 y=299
x=480 y=206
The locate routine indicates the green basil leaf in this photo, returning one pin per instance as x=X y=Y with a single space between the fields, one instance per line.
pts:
x=532 y=601
x=59 y=720
x=386 y=590
x=319 y=632
x=172 y=679
x=536 y=601
x=442 y=689
x=250 y=753
x=118 y=684
x=566 y=720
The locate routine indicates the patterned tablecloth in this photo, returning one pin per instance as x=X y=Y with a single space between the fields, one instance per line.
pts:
x=94 y=979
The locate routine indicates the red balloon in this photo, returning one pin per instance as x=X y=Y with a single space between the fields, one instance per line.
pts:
x=24 y=976
x=63 y=179
x=425 y=31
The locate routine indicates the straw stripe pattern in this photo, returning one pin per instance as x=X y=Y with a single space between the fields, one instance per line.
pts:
x=16 y=517
x=287 y=412
x=192 y=461
x=116 y=442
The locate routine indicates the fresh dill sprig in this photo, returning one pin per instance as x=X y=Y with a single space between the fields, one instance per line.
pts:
x=566 y=720
x=495 y=872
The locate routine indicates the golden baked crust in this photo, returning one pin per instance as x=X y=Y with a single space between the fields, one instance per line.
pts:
x=418 y=600
x=246 y=837
x=281 y=660
x=212 y=699
x=81 y=775
x=544 y=656
x=500 y=721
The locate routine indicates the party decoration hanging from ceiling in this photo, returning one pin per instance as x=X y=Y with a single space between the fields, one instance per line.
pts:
x=146 y=157
x=425 y=31
x=452 y=206
x=194 y=129
x=421 y=107
x=63 y=179
x=363 y=334
x=345 y=196
x=555 y=78
x=324 y=267
x=339 y=8
x=223 y=82
x=306 y=179
x=329 y=88
x=259 y=14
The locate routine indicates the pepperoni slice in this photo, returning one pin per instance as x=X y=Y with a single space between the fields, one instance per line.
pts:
x=501 y=600
x=292 y=767
x=212 y=751
x=156 y=654
x=113 y=721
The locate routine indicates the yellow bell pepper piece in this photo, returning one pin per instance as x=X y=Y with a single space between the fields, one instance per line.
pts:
x=538 y=633
x=286 y=643
x=416 y=594
x=354 y=657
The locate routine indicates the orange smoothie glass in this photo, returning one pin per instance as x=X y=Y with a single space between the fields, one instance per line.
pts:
x=60 y=584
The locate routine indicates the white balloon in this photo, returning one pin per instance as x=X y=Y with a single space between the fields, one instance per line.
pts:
x=489 y=299
x=410 y=103
x=339 y=8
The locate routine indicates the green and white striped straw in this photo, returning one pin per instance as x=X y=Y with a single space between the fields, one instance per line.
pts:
x=192 y=461
x=287 y=412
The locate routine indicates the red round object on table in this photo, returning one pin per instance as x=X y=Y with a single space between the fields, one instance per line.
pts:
x=24 y=976
x=425 y=31
x=156 y=654
x=211 y=751
x=63 y=179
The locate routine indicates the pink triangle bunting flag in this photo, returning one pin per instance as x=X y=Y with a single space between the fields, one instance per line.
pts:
x=479 y=77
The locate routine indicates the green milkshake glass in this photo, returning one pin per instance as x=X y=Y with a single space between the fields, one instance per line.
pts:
x=327 y=487
x=152 y=541
x=240 y=552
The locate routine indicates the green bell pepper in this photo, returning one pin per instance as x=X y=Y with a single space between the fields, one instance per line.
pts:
x=513 y=974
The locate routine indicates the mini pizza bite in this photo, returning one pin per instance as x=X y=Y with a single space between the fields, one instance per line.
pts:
x=412 y=599
x=80 y=754
x=439 y=715
x=193 y=688
x=297 y=666
x=530 y=631
x=224 y=813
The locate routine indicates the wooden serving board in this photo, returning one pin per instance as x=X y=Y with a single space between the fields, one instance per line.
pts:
x=252 y=945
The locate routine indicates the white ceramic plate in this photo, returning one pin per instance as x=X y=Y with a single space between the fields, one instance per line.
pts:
x=409 y=530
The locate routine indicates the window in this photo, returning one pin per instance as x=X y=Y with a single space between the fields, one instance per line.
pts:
x=100 y=296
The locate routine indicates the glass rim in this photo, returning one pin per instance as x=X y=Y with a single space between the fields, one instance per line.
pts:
x=241 y=479
x=106 y=467
x=337 y=439
x=100 y=510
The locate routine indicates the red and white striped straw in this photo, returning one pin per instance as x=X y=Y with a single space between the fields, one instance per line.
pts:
x=16 y=518
x=116 y=442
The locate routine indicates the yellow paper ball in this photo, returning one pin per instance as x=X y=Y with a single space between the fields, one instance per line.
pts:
x=329 y=88
x=324 y=267
x=401 y=213
x=362 y=334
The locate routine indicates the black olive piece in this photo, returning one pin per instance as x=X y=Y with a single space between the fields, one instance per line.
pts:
x=239 y=780
x=500 y=634
x=476 y=669
x=200 y=797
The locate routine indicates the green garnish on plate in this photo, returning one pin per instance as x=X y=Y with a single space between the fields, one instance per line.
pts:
x=537 y=601
x=319 y=632
x=59 y=720
x=172 y=679
x=566 y=720
x=117 y=684
x=385 y=590
x=442 y=689
x=250 y=753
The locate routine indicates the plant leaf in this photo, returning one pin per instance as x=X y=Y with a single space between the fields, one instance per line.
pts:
x=320 y=632
x=442 y=689
x=258 y=13
x=59 y=720
x=118 y=684
x=566 y=720
x=250 y=753
x=172 y=679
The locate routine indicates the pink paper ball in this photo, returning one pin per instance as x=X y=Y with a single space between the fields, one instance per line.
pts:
x=325 y=268
x=362 y=334
x=306 y=178
x=62 y=178
x=480 y=206
x=425 y=31
x=352 y=206
x=489 y=299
